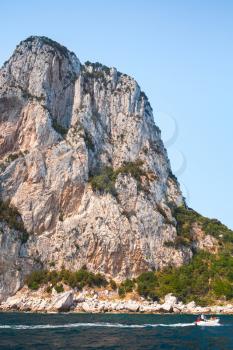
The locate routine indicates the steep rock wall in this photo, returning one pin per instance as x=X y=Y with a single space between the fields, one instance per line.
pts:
x=62 y=123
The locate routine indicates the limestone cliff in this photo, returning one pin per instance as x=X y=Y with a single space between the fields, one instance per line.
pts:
x=63 y=126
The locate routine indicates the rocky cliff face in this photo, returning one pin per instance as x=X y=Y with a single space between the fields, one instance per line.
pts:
x=61 y=125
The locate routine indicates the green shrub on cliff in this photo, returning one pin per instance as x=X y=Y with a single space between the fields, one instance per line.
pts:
x=126 y=287
x=104 y=180
x=59 y=128
x=113 y=284
x=12 y=217
x=59 y=288
x=186 y=217
x=98 y=70
x=121 y=292
x=74 y=279
x=146 y=284
x=205 y=279
x=89 y=142
x=37 y=278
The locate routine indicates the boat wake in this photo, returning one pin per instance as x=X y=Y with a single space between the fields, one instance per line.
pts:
x=97 y=324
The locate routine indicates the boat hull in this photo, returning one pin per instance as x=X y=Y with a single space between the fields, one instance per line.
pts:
x=208 y=322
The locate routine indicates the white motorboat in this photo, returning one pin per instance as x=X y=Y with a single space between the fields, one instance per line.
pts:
x=213 y=321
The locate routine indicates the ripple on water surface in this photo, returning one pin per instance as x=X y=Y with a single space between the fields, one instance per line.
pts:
x=106 y=331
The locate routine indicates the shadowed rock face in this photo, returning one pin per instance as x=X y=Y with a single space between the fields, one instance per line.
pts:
x=63 y=121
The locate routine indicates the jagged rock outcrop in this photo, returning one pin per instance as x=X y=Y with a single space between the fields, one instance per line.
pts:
x=62 y=123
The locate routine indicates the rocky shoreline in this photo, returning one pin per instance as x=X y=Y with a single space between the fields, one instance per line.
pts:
x=102 y=302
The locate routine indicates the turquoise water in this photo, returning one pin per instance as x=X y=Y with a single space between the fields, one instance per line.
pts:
x=106 y=331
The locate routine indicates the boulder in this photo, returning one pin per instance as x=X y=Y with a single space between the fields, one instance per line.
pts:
x=80 y=299
x=176 y=310
x=88 y=307
x=132 y=306
x=119 y=306
x=170 y=299
x=190 y=307
x=179 y=306
x=63 y=301
x=147 y=308
x=12 y=303
x=166 y=307
x=201 y=310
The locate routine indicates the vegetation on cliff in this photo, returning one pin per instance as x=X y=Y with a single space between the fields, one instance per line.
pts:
x=99 y=71
x=126 y=286
x=55 y=45
x=59 y=128
x=186 y=217
x=12 y=217
x=104 y=180
x=206 y=279
x=77 y=279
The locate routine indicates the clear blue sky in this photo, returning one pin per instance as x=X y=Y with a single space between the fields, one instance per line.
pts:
x=180 y=52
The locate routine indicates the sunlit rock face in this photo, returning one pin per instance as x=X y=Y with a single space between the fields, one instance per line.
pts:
x=60 y=123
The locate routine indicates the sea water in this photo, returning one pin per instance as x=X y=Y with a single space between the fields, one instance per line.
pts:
x=111 y=331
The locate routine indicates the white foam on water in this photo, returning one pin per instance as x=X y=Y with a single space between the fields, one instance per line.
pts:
x=178 y=325
x=97 y=324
